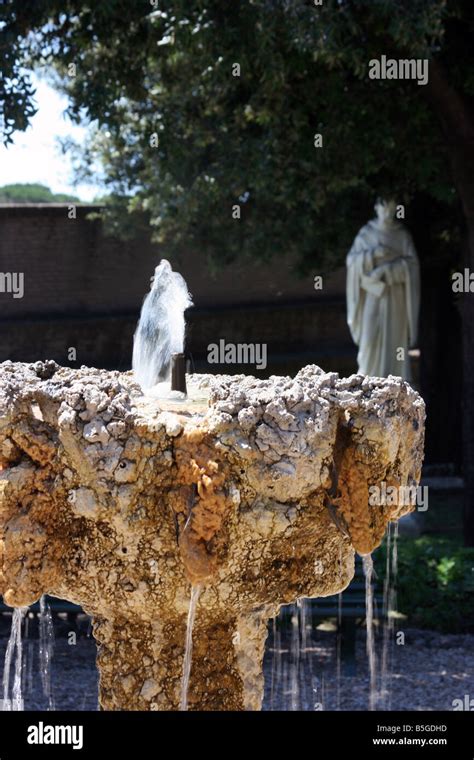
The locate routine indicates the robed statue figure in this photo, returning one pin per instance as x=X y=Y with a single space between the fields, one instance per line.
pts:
x=383 y=294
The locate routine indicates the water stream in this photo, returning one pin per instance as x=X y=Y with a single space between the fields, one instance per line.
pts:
x=46 y=646
x=338 y=650
x=188 y=650
x=294 y=665
x=369 y=617
x=29 y=655
x=389 y=607
x=304 y=608
x=294 y=684
x=14 y=647
x=276 y=663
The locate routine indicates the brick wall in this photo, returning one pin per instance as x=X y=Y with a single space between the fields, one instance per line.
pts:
x=84 y=289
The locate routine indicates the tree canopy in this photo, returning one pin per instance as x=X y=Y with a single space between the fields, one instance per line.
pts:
x=31 y=192
x=202 y=106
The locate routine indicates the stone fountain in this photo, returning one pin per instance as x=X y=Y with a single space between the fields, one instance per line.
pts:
x=255 y=490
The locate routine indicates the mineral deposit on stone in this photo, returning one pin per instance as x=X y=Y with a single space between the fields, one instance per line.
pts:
x=118 y=502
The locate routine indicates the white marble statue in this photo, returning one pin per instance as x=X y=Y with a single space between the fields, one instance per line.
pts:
x=383 y=294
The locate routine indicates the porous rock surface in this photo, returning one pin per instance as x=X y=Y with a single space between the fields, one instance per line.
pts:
x=114 y=502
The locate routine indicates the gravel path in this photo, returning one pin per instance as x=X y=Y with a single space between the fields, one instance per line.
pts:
x=429 y=671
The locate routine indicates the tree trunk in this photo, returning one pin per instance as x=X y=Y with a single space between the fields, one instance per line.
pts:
x=468 y=406
x=457 y=122
x=440 y=338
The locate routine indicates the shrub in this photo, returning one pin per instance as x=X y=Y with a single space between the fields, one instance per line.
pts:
x=435 y=583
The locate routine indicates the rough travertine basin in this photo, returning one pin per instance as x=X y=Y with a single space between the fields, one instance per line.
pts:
x=261 y=497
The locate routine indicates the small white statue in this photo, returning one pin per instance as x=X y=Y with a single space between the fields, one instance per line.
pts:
x=383 y=294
